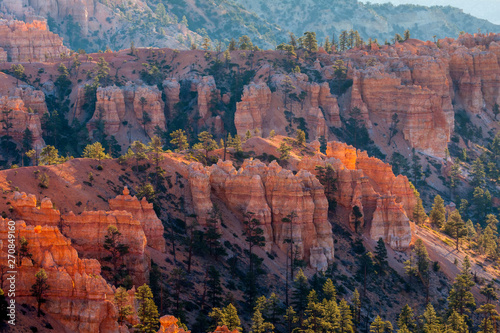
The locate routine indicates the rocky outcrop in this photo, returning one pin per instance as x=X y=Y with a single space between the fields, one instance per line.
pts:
x=272 y=194
x=120 y=107
x=207 y=93
x=169 y=325
x=16 y=117
x=391 y=223
x=423 y=121
x=33 y=41
x=142 y=211
x=172 y=90
x=199 y=183
x=383 y=199
x=255 y=102
x=79 y=297
x=310 y=104
x=88 y=230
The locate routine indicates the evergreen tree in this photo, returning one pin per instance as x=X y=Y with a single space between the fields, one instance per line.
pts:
x=23 y=251
x=478 y=176
x=329 y=290
x=139 y=151
x=49 y=155
x=315 y=313
x=214 y=287
x=437 y=214
x=461 y=298
x=122 y=304
x=310 y=42
x=116 y=249
x=356 y=304
x=345 y=322
x=101 y=72
x=284 y=151
x=207 y=142
x=259 y=325
x=381 y=254
x=419 y=215
x=95 y=151
x=147 y=312
x=456 y=323
x=406 y=318
x=39 y=289
x=491 y=317
x=407 y=34
x=301 y=137
x=226 y=316
x=299 y=294
x=431 y=321
x=455 y=227
x=155 y=148
x=416 y=168
x=380 y=326
x=490 y=292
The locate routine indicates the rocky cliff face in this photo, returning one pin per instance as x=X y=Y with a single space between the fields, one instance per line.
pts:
x=88 y=230
x=169 y=325
x=26 y=42
x=16 y=117
x=271 y=193
x=138 y=106
x=172 y=89
x=295 y=101
x=143 y=212
x=79 y=297
x=368 y=183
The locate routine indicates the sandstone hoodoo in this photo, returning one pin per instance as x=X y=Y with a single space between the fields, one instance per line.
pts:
x=80 y=298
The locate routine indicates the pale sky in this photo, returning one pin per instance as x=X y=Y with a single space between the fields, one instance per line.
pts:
x=485 y=9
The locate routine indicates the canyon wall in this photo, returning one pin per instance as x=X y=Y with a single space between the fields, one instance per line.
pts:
x=78 y=295
x=27 y=42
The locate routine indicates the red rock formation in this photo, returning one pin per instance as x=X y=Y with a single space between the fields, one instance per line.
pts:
x=143 y=212
x=272 y=193
x=17 y=115
x=207 y=91
x=255 y=101
x=79 y=297
x=384 y=199
x=391 y=223
x=25 y=42
x=172 y=89
x=3 y=55
x=87 y=230
x=199 y=183
x=169 y=325
x=114 y=105
x=224 y=329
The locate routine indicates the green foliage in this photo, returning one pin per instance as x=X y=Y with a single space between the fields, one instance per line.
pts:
x=117 y=250
x=39 y=289
x=437 y=214
x=95 y=151
x=380 y=326
x=121 y=301
x=284 y=151
x=179 y=140
x=226 y=316
x=147 y=312
x=461 y=298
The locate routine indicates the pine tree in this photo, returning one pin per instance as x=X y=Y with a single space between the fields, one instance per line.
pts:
x=284 y=151
x=315 y=313
x=356 y=304
x=310 y=42
x=455 y=227
x=345 y=322
x=461 y=298
x=226 y=316
x=116 y=249
x=207 y=142
x=214 y=287
x=95 y=151
x=299 y=294
x=381 y=254
x=437 y=214
x=39 y=289
x=49 y=155
x=122 y=304
x=419 y=215
x=155 y=148
x=380 y=326
x=478 y=176
x=490 y=292
x=23 y=251
x=457 y=323
x=406 y=318
x=432 y=323
x=301 y=137
x=329 y=290
x=179 y=140
x=259 y=325
x=147 y=312
x=489 y=323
